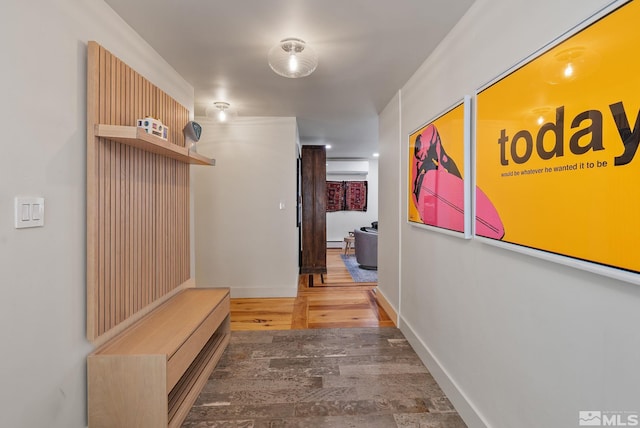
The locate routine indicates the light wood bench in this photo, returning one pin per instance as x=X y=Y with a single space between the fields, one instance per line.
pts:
x=150 y=374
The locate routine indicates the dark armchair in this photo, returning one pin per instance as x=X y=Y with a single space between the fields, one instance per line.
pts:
x=366 y=244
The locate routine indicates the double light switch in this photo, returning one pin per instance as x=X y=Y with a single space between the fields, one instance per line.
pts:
x=29 y=212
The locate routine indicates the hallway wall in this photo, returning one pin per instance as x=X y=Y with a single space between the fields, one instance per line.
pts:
x=43 y=110
x=244 y=238
x=391 y=147
x=514 y=341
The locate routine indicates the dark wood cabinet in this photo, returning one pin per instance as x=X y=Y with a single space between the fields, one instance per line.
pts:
x=313 y=242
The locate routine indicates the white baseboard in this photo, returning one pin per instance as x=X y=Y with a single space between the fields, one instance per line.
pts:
x=335 y=244
x=460 y=401
x=388 y=307
x=255 y=293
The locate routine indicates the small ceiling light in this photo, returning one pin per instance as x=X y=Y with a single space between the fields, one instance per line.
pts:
x=327 y=146
x=222 y=107
x=376 y=155
x=292 y=58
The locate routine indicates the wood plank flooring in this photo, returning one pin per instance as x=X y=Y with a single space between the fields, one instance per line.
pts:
x=337 y=303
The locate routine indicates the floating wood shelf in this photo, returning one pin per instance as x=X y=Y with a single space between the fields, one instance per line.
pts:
x=137 y=137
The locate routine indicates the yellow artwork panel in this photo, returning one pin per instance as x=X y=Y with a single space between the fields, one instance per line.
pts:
x=556 y=145
x=436 y=172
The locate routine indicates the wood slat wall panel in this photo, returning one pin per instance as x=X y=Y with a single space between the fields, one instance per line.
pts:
x=137 y=202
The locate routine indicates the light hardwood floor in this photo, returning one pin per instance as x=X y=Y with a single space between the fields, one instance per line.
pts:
x=338 y=302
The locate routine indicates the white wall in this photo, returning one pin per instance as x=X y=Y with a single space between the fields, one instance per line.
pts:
x=243 y=239
x=391 y=146
x=515 y=341
x=42 y=271
x=339 y=223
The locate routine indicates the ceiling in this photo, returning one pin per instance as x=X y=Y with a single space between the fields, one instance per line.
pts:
x=367 y=50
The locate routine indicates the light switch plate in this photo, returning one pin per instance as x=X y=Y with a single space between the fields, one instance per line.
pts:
x=29 y=212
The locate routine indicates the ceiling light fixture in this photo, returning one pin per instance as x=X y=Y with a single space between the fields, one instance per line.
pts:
x=292 y=58
x=222 y=107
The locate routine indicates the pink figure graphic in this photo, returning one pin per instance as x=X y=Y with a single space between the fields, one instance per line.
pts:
x=438 y=190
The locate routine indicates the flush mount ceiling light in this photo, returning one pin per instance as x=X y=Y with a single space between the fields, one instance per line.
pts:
x=221 y=106
x=292 y=58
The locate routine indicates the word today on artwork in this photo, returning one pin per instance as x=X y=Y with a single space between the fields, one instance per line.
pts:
x=589 y=123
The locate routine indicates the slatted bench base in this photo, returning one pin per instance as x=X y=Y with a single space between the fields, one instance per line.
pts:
x=151 y=374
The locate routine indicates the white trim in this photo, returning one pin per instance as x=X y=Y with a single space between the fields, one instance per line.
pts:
x=468 y=176
x=401 y=195
x=386 y=305
x=592 y=267
x=465 y=408
x=438 y=229
x=259 y=293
